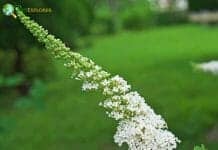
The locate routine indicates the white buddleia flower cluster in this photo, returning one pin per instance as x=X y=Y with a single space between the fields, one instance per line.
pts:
x=92 y=78
x=138 y=125
x=115 y=85
x=140 y=134
x=89 y=86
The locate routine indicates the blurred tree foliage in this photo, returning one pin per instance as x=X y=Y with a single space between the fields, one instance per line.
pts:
x=20 y=52
x=136 y=15
x=68 y=20
x=199 y=5
x=113 y=15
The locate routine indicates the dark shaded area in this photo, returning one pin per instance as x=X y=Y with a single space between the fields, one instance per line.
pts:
x=202 y=5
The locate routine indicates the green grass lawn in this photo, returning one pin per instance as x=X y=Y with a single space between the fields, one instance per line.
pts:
x=157 y=63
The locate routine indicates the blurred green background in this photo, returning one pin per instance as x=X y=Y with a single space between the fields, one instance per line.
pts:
x=150 y=44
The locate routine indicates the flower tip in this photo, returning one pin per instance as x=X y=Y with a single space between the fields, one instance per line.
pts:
x=8 y=10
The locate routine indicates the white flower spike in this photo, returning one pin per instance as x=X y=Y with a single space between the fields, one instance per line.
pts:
x=138 y=125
